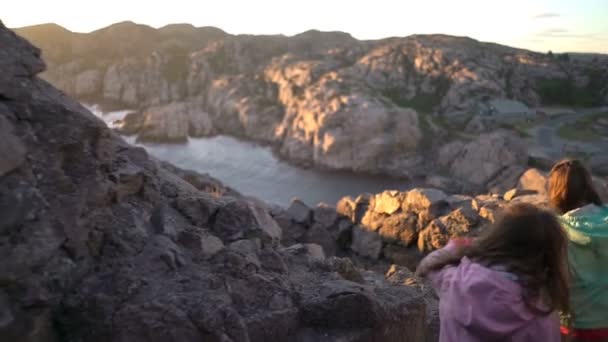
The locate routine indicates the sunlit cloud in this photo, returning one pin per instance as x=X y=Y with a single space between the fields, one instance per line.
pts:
x=546 y=15
x=565 y=33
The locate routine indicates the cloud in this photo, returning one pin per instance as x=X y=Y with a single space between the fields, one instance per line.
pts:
x=551 y=31
x=565 y=33
x=546 y=15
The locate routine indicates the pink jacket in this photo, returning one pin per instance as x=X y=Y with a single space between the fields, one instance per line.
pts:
x=479 y=304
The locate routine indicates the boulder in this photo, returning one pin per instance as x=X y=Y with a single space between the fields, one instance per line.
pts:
x=373 y=220
x=321 y=236
x=299 y=211
x=533 y=180
x=506 y=179
x=325 y=215
x=198 y=209
x=245 y=220
x=424 y=199
x=401 y=228
x=437 y=234
x=460 y=221
x=346 y=207
x=347 y=306
x=366 y=243
x=387 y=202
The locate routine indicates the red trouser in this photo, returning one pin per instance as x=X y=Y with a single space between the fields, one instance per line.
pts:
x=586 y=335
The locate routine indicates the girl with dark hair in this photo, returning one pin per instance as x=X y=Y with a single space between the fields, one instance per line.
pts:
x=585 y=220
x=507 y=284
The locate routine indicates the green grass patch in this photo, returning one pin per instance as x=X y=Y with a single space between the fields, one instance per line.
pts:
x=424 y=124
x=581 y=130
x=563 y=92
x=423 y=102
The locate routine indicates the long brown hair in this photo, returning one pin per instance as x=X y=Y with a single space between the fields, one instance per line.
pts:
x=571 y=186
x=530 y=243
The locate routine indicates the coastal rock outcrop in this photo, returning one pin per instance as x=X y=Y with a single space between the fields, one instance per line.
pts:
x=400 y=227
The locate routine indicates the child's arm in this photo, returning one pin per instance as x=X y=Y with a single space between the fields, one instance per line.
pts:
x=425 y=266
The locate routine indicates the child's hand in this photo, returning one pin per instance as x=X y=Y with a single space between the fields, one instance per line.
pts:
x=441 y=254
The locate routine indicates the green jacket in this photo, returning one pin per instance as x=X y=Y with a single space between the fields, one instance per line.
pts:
x=587 y=229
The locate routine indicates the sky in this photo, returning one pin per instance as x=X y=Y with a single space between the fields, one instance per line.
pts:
x=541 y=25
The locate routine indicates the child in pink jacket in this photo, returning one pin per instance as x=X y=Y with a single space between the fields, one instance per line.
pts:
x=505 y=285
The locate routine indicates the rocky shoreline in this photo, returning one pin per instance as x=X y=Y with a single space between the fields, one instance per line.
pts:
x=322 y=99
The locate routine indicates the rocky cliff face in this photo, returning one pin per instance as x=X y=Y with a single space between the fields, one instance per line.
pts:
x=323 y=99
x=99 y=242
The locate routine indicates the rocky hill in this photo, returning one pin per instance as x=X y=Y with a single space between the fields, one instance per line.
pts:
x=320 y=98
x=99 y=242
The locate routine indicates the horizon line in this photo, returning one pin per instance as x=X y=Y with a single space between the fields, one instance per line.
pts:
x=297 y=34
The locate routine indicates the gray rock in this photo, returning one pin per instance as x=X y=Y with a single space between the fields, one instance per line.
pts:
x=533 y=180
x=321 y=236
x=312 y=251
x=244 y=220
x=366 y=243
x=299 y=211
x=198 y=209
x=12 y=149
x=480 y=161
x=325 y=215
x=167 y=221
x=249 y=249
x=201 y=243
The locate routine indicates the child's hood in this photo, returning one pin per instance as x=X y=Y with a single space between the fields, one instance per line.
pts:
x=484 y=301
x=585 y=224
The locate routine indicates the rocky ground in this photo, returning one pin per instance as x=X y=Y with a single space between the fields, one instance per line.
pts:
x=99 y=242
x=322 y=99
